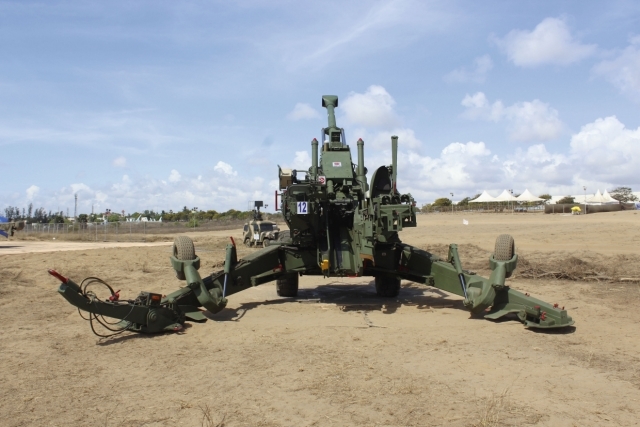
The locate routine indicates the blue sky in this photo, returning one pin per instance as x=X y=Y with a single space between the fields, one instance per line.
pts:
x=162 y=104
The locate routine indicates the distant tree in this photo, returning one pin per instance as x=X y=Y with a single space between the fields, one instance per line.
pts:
x=114 y=217
x=566 y=199
x=464 y=202
x=56 y=219
x=545 y=197
x=425 y=208
x=623 y=195
x=442 y=201
x=83 y=218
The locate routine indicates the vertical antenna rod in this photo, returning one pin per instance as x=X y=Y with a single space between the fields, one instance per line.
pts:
x=360 y=174
x=314 y=159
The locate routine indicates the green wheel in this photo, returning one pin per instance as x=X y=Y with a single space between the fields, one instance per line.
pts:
x=387 y=286
x=505 y=248
x=183 y=250
x=287 y=286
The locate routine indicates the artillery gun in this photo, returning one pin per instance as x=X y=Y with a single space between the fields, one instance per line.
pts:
x=339 y=226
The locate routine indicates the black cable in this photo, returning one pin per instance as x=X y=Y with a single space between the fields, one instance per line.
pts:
x=86 y=283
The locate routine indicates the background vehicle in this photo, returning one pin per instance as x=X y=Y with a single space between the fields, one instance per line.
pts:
x=259 y=232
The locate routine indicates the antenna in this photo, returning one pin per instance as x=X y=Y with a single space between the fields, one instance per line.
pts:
x=75 y=210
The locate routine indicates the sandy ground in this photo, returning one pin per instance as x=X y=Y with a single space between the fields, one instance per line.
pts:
x=337 y=355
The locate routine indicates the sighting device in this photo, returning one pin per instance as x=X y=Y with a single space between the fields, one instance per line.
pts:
x=339 y=225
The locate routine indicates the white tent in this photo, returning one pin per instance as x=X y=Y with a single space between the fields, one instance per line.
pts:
x=601 y=198
x=484 y=197
x=528 y=197
x=610 y=199
x=505 y=196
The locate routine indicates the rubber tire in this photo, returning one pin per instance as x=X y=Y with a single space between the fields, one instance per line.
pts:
x=183 y=250
x=387 y=286
x=287 y=286
x=505 y=248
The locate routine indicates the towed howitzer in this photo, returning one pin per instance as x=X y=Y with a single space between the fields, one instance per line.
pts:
x=339 y=226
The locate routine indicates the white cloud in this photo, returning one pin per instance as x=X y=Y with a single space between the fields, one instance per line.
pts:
x=120 y=162
x=80 y=187
x=607 y=151
x=528 y=121
x=550 y=42
x=302 y=161
x=603 y=154
x=303 y=111
x=533 y=121
x=624 y=70
x=225 y=168
x=174 y=176
x=374 y=108
x=382 y=140
x=32 y=192
x=458 y=166
x=481 y=67
x=478 y=107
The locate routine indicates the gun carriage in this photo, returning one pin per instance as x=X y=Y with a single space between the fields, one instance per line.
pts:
x=339 y=225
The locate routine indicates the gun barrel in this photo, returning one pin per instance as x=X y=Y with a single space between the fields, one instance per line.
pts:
x=330 y=102
x=394 y=160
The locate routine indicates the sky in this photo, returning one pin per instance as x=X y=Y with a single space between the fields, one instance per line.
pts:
x=162 y=104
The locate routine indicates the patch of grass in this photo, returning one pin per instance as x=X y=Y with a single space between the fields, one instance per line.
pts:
x=494 y=409
x=207 y=418
x=498 y=410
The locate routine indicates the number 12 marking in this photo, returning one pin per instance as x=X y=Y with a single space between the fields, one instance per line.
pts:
x=302 y=208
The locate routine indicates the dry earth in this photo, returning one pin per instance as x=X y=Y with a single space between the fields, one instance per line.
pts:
x=337 y=355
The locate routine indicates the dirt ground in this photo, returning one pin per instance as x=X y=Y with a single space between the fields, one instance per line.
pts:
x=337 y=355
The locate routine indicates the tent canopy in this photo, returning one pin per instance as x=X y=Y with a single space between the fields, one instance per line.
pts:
x=528 y=197
x=601 y=198
x=484 y=197
x=505 y=196
x=610 y=199
x=597 y=198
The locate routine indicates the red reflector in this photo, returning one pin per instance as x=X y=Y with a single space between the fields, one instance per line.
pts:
x=154 y=297
x=58 y=276
x=233 y=242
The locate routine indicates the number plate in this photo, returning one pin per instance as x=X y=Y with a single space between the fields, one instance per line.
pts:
x=256 y=237
x=337 y=164
x=302 y=208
